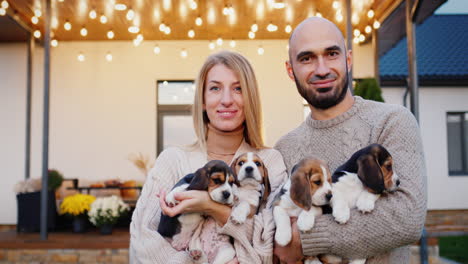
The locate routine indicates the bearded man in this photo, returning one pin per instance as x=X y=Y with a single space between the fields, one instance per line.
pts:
x=339 y=125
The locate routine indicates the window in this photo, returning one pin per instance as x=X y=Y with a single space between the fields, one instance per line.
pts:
x=457 y=143
x=174 y=103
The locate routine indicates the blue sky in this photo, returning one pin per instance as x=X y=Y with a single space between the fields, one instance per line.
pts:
x=453 y=7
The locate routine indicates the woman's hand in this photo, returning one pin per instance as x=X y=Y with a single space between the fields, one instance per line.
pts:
x=189 y=202
x=195 y=202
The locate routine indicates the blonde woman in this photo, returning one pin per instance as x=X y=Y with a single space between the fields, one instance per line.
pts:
x=227 y=121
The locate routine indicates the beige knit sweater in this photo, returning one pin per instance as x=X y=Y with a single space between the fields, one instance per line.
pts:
x=397 y=220
x=253 y=241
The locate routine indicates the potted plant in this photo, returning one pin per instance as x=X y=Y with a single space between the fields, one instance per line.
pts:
x=28 y=196
x=106 y=211
x=77 y=206
x=369 y=89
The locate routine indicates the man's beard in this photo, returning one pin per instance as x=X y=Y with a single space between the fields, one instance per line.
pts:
x=323 y=103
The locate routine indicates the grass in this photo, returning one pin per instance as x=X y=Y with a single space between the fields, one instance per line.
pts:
x=454 y=248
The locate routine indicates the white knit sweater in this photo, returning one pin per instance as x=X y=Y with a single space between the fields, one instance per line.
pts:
x=253 y=241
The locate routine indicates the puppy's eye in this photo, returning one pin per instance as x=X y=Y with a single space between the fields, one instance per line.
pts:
x=388 y=167
x=317 y=182
x=258 y=164
x=241 y=163
x=217 y=181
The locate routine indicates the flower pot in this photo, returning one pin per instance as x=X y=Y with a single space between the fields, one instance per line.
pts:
x=29 y=211
x=106 y=229
x=80 y=224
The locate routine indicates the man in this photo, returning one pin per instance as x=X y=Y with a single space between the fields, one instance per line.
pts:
x=339 y=125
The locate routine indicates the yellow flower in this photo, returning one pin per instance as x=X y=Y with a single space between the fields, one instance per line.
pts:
x=76 y=204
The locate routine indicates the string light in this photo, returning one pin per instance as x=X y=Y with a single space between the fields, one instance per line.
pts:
x=130 y=14
x=251 y=35
x=162 y=27
x=2 y=12
x=368 y=29
x=37 y=13
x=37 y=34
x=339 y=16
x=193 y=5
x=84 y=32
x=191 y=33
x=376 y=24
x=67 y=26
x=134 y=29
x=260 y=50
x=211 y=45
x=362 y=38
x=81 y=57
x=156 y=49
x=103 y=19
x=232 y=44
x=92 y=14
x=120 y=7
x=254 y=28
x=5 y=5
x=271 y=27
x=318 y=14
x=198 y=21
x=110 y=34
x=183 y=53
x=288 y=29
x=335 y=4
x=109 y=56
x=356 y=32
x=370 y=13
x=54 y=43
x=219 y=41
x=167 y=30
x=34 y=20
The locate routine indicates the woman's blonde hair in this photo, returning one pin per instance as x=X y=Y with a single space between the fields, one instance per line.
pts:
x=253 y=128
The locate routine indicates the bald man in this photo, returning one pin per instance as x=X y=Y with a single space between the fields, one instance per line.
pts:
x=339 y=125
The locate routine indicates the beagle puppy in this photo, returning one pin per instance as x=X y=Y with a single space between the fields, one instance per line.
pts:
x=217 y=178
x=254 y=186
x=302 y=196
x=360 y=181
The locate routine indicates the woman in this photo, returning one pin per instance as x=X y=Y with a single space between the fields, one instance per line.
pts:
x=227 y=121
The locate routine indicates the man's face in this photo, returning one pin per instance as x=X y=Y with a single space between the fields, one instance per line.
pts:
x=318 y=65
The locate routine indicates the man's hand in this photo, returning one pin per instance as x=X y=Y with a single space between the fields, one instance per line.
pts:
x=291 y=253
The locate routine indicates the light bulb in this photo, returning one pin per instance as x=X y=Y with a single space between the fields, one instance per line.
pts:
x=356 y=32
x=67 y=26
x=37 y=13
x=109 y=57
x=130 y=14
x=162 y=27
x=211 y=45
x=167 y=30
x=368 y=29
x=2 y=12
x=134 y=29
x=120 y=7
x=110 y=34
x=5 y=4
x=156 y=49
x=199 y=21
x=92 y=14
x=376 y=24
x=254 y=28
x=183 y=53
x=103 y=19
x=193 y=5
x=251 y=35
x=37 y=34
x=81 y=57
x=260 y=50
x=219 y=41
x=54 y=43
x=191 y=33
x=84 y=32
x=370 y=13
x=271 y=27
x=34 y=20
x=288 y=29
x=232 y=44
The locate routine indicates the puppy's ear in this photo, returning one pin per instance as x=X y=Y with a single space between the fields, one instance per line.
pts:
x=266 y=185
x=200 y=180
x=233 y=166
x=370 y=173
x=300 y=189
x=294 y=168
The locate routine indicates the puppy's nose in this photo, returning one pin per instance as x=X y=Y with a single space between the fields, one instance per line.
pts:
x=328 y=196
x=397 y=182
x=226 y=194
x=248 y=169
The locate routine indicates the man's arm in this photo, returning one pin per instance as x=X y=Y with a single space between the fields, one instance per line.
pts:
x=397 y=219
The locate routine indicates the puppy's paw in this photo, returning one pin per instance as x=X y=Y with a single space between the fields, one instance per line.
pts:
x=238 y=218
x=180 y=242
x=312 y=261
x=365 y=205
x=170 y=200
x=282 y=238
x=305 y=223
x=341 y=216
x=196 y=254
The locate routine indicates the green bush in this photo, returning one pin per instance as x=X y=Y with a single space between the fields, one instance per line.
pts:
x=369 y=89
x=55 y=179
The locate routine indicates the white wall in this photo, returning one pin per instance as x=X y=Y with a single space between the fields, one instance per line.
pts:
x=100 y=112
x=444 y=192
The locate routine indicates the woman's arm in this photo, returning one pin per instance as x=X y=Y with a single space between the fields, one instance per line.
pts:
x=146 y=244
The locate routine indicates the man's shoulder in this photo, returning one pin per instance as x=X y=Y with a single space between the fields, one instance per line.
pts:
x=379 y=110
x=292 y=136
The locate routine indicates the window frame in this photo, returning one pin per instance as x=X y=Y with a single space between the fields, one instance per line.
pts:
x=464 y=151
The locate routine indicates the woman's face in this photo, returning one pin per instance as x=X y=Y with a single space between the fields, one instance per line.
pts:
x=224 y=104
